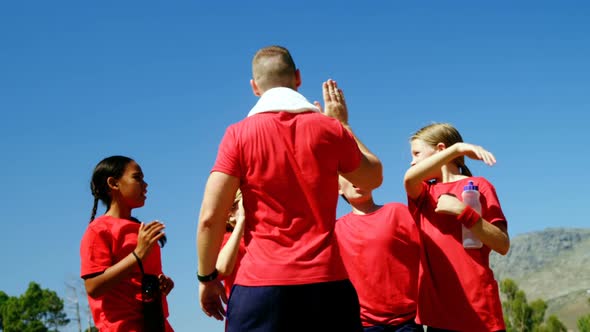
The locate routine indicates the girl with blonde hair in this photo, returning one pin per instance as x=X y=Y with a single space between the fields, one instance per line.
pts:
x=456 y=288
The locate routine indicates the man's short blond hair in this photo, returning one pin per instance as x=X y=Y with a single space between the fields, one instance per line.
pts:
x=273 y=67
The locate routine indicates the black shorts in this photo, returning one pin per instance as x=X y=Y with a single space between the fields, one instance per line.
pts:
x=328 y=306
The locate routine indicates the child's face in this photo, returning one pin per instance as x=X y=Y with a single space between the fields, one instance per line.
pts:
x=231 y=219
x=420 y=150
x=351 y=192
x=131 y=187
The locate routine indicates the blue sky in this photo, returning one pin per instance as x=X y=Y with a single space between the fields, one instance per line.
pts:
x=160 y=82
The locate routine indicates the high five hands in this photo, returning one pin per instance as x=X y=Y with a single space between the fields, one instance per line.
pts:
x=334 y=102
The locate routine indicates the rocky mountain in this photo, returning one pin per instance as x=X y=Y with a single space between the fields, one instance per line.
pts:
x=553 y=265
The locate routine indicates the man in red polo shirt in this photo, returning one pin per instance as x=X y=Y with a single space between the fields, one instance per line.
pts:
x=285 y=157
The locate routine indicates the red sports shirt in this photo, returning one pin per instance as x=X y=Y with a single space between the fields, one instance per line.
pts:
x=381 y=252
x=288 y=166
x=228 y=281
x=457 y=289
x=106 y=241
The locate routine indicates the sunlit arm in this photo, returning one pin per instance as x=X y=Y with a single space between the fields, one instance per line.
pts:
x=494 y=236
x=428 y=169
x=98 y=285
x=217 y=200
x=226 y=261
x=370 y=173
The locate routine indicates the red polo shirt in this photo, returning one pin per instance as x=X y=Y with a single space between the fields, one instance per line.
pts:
x=288 y=166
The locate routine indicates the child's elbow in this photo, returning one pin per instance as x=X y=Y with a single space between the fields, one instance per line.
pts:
x=92 y=291
x=93 y=288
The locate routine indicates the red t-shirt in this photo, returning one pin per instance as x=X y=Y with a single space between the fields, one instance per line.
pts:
x=288 y=166
x=228 y=281
x=108 y=240
x=381 y=253
x=457 y=289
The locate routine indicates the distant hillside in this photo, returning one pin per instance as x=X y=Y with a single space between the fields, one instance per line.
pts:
x=553 y=265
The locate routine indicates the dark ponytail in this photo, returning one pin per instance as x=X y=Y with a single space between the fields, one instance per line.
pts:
x=94 y=207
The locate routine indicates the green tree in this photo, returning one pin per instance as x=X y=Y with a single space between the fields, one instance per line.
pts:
x=538 y=308
x=91 y=329
x=521 y=316
x=37 y=310
x=517 y=312
x=553 y=324
x=3 y=299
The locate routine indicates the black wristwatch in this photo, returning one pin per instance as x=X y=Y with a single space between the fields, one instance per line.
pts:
x=210 y=277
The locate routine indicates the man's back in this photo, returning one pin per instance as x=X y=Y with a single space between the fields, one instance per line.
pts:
x=288 y=166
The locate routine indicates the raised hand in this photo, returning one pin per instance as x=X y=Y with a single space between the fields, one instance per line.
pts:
x=334 y=102
x=476 y=152
x=240 y=214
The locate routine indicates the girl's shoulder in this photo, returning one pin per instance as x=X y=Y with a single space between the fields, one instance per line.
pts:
x=107 y=223
x=457 y=186
x=481 y=182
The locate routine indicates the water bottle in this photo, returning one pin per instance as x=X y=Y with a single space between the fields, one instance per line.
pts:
x=471 y=197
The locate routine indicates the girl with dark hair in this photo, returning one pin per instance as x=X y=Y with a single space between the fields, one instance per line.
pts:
x=456 y=287
x=120 y=261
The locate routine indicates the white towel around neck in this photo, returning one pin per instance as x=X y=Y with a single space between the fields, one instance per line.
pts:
x=282 y=100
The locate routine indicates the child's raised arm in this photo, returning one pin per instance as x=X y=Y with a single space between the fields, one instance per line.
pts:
x=228 y=255
x=430 y=167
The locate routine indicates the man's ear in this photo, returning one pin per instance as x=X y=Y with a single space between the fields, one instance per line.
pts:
x=340 y=192
x=297 y=78
x=112 y=183
x=441 y=146
x=255 y=88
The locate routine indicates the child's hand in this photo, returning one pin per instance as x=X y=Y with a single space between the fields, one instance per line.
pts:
x=449 y=204
x=240 y=214
x=476 y=152
x=166 y=284
x=147 y=236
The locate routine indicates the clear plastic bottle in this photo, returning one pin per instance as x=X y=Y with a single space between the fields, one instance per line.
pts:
x=470 y=197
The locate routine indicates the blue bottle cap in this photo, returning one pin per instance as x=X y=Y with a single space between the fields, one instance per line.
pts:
x=471 y=186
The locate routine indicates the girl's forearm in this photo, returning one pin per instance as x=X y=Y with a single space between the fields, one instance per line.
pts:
x=494 y=236
x=98 y=285
x=428 y=169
